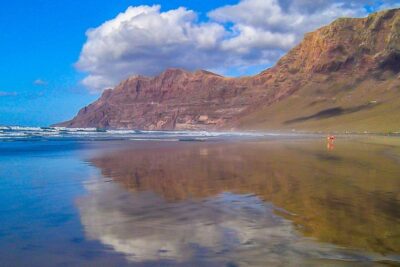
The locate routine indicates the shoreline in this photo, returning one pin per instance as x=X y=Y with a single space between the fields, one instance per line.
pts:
x=20 y=133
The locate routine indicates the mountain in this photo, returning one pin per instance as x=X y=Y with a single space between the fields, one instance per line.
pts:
x=344 y=77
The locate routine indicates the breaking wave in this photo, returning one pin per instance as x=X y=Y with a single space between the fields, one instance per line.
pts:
x=15 y=133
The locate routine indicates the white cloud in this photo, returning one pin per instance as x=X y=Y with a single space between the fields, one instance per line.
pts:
x=265 y=25
x=40 y=82
x=144 y=40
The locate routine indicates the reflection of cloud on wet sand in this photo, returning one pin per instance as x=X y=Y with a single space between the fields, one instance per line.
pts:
x=227 y=228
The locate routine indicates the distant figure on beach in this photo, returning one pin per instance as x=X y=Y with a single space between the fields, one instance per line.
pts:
x=331 y=139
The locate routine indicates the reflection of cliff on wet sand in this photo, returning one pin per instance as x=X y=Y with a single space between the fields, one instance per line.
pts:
x=349 y=197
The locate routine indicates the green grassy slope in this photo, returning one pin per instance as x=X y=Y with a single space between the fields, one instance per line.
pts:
x=372 y=105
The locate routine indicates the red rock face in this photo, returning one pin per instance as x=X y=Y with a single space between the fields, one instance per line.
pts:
x=177 y=99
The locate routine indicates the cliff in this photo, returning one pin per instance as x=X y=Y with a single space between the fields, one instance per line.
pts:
x=344 y=76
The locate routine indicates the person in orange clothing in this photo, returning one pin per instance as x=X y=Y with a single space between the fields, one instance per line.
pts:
x=331 y=139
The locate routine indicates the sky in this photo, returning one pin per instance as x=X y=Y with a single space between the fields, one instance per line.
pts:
x=58 y=56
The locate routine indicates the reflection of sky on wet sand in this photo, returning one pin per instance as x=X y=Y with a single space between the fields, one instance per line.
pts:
x=178 y=207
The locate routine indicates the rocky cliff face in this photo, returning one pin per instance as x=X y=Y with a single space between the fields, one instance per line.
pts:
x=176 y=99
x=348 y=50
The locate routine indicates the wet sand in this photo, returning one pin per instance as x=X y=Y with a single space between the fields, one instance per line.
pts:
x=279 y=202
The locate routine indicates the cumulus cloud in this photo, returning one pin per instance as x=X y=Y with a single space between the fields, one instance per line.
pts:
x=145 y=40
x=270 y=16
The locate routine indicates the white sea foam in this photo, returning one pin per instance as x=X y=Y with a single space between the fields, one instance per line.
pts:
x=18 y=132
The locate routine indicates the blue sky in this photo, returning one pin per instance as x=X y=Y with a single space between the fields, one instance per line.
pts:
x=42 y=40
